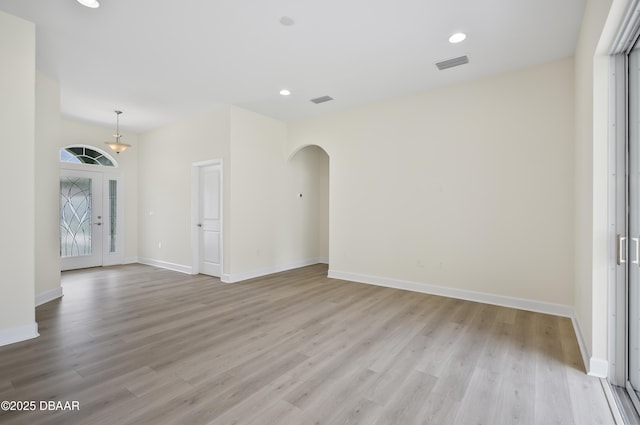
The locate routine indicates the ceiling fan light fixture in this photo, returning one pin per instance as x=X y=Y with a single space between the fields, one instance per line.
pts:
x=116 y=145
x=93 y=4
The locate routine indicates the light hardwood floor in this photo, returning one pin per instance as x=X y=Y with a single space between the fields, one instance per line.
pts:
x=141 y=345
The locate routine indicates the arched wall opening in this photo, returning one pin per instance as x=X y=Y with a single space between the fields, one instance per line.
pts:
x=310 y=177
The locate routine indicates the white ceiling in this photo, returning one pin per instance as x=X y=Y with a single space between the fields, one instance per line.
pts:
x=162 y=60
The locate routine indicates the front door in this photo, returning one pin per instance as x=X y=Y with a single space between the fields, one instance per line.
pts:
x=81 y=219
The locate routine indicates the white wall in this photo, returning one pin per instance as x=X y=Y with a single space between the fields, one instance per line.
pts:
x=75 y=132
x=166 y=157
x=468 y=187
x=267 y=226
x=323 y=203
x=17 y=164
x=47 y=166
x=52 y=133
x=273 y=228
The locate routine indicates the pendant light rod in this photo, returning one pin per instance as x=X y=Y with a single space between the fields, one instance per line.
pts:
x=118 y=135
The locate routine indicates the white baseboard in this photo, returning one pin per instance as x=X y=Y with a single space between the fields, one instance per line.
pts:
x=598 y=368
x=45 y=297
x=238 y=277
x=232 y=277
x=583 y=347
x=18 y=334
x=463 y=294
x=166 y=265
x=130 y=260
x=595 y=367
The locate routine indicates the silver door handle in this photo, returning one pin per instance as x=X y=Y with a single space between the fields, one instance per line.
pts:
x=636 y=257
x=199 y=225
x=98 y=224
x=621 y=249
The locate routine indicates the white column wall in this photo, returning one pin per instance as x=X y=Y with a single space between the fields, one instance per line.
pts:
x=17 y=164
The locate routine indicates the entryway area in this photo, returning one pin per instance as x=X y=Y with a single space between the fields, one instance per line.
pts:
x=91 y=209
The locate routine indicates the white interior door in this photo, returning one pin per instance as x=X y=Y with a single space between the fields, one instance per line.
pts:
x=81 y=219
x=209 y=222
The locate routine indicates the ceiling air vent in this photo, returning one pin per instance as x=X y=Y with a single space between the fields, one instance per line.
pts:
x=452 y=62
x=321 y=99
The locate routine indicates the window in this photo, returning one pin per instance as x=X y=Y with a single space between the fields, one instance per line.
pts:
x=86 y=155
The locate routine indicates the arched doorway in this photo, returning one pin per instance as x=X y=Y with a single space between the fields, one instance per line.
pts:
x=310 y=166
x=91 y=208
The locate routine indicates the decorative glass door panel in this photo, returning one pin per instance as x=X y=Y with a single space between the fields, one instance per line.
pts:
x=80 y=219
x=75 y=216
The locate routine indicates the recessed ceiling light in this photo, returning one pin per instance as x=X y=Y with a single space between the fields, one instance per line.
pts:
x=457 y=37
x=90 y=3
x=287 y=21
x=285 y=92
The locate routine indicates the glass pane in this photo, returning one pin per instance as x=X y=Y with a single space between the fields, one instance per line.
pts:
x=87 y=160
x=634 y=220
x=77 y=151
x=113 y=204
x=75 y=216
x=66 y=156
x=103 y=160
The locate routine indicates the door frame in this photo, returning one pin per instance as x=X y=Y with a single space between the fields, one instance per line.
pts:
x=107 y=174
x=619 y=208
x=196 y=256
x=617 y=212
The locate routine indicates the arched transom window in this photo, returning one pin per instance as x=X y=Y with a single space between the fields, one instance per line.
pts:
x=86 y=155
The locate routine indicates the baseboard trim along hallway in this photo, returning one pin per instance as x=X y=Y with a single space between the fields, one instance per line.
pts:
x=18 y=334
